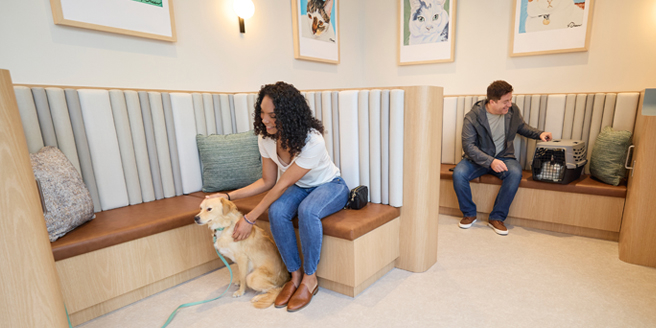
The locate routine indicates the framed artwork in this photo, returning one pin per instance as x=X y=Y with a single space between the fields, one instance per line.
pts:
x=143 y=18
x=316 y=30
x=426 y=31
x=550 y=26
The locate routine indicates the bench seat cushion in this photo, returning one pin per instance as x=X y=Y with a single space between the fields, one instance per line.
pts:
x=345 y=224
x=127 y=223
x=583 y=185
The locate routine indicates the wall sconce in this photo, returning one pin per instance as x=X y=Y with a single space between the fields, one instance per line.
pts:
x=244 y=9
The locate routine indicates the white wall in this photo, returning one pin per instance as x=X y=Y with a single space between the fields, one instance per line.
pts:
x=622 y=55
x=210 y=53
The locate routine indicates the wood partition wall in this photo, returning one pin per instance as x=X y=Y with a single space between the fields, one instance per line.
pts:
x=30 y=295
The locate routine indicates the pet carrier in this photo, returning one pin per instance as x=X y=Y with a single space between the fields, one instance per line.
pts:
x=559 y=161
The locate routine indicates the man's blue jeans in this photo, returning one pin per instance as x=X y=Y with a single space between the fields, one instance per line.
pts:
x=467 y=170
x=311 y=205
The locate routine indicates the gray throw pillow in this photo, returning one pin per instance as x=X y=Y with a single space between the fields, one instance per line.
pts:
x=229 y=161
x=67 y=200
x=609 y=154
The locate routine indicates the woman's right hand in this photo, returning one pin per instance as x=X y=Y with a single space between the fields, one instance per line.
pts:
x=218 y=194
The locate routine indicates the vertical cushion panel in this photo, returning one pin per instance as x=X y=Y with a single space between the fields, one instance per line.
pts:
x=317 y=106
x=82 y=146
x=396 y=148
x=140 y=147
x=208 y=109
x=519 y=140
x=185 y=134
x=469 y=103
x=199 y=113
x=375 y=144
x=252 y=99
x=62 y=124
x=363 y=136
x=555 y=115
x=103 y=144
x=625 y=111
x=588 y=117
x=241 y=112
x=534 y=120
x=579 y=116
x=151 y=145
x=233 y=122
x=226 y=117
x=217 y=114
x=348 y=134
x=29 y=118
x=336 y=128
x=461 y=109
x=173 y=146
x=543 y=112
x=595 y=124
x=609 y=110
x=568 y=120
x=126 y=148
x=45 y=119
x=162 y=143
x=525 y=160
x=327 y=119
x=449 y=130
x=384 y=137
x=309 y=97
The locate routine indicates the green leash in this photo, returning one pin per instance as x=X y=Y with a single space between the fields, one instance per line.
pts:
x=206 y=301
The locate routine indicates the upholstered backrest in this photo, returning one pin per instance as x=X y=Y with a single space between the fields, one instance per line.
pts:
x=566 y=116
x=139 y=146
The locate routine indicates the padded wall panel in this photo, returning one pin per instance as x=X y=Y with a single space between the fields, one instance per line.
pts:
x=625 y=111
x=449 y=130
x=173 y=146
x=103 y=144
x=45 y=118
x=525 y=161
x=124 y=136
x=375 y=192
x=609 y=110
x=336 y=128
x=199 y=113
x=554 y=115
x=317 y=106
x=363 y=137
x=185 y=133
x=217 y=114
x=327 y=119
x=461 y=108
x=568 y=120
x=140 y=146
x=396 y=148
x=543 y=112
x=252 y=99
x=208 y=110
x=226 y=116
x=469 y=102
x=29 y=118
x=151 y=144
x=348 y=133
x=579 y=116
x=82 y=146
x=162 y=143
x=588 y=117
x=519 y=140
x=309 y=97
x=233 y=122
x=241 y=112
x=384 y=137
x=534 y=121
x=595 y=125
x=62 y=123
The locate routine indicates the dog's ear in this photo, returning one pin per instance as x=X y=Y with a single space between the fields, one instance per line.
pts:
x=228 y=206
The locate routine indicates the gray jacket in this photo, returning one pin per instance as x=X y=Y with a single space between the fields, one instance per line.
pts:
x=477 y=139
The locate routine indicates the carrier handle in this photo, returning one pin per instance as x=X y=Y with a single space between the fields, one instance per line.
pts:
x=626 y=163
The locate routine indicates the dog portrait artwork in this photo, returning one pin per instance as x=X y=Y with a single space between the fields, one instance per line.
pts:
x=259 y=264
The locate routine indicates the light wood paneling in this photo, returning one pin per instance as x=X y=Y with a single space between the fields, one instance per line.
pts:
x=422 y=155
x=637 y=237
x=30 y=295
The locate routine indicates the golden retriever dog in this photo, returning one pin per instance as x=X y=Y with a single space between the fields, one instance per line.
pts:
x=258 y=261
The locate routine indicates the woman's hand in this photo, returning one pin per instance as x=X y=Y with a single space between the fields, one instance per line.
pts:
x=242 y=230
x=218 y=194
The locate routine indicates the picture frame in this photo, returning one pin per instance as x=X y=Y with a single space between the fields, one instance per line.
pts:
x=540 y=27
x=316 y=34
x=141 y=18
x=425 y=38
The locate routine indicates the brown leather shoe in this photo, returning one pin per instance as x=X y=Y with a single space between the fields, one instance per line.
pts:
x=467 y=222
x=301 y=298
x=285 y=294
x=498 y=227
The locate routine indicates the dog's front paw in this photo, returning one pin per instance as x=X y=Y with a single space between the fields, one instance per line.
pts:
x=238 y=293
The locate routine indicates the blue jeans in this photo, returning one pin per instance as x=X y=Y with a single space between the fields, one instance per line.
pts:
x=467 y=170
x=311 y=205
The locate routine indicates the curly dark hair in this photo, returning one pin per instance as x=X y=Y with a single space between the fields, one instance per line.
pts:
x=498 y=89
x=294 y=119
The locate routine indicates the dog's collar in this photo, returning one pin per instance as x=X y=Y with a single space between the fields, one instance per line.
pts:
x=215 y=231
x=219 y=229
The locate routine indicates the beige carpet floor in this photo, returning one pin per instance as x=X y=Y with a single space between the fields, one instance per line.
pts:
x=530 y=278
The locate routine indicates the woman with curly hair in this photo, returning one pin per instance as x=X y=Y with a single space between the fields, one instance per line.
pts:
x=291 y=142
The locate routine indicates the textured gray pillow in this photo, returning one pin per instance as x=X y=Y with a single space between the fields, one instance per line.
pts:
x=229 y=161
x=609 y=154
x=67 y=200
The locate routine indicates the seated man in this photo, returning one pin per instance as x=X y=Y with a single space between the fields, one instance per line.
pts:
x=488 y=133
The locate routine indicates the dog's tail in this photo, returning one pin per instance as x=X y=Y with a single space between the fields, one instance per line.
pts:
x=265 y=300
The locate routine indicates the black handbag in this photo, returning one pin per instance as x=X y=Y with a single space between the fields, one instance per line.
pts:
x=358 y=198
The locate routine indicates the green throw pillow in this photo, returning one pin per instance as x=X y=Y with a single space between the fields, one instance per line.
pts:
x=229 y=161
x=609 y=154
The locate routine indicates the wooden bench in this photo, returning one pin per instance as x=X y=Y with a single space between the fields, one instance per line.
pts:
x=585 y=207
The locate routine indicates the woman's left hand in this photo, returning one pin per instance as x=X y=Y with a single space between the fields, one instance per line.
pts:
x=242 y=230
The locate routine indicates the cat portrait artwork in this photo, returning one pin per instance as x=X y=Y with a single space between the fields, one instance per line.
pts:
x=550 y=26
x=426 y=31
x=316 y=30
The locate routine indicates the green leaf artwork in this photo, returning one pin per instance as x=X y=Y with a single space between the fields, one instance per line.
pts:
x=157 y=3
